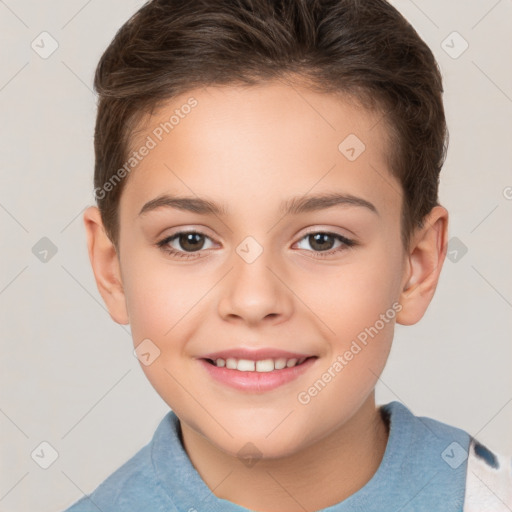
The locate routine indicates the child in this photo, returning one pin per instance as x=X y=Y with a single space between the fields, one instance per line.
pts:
x=297 y=145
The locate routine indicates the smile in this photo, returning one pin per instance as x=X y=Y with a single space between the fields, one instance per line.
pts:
x=255 y=372
x=262 y=365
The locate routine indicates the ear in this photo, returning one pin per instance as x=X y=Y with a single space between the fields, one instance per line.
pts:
x=423 y=266
x=105 y=265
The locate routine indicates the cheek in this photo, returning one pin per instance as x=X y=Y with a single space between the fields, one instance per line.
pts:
x=354 y=296
x=149 y=305
x=160 y=307
x=359 y=305
x=158 y=294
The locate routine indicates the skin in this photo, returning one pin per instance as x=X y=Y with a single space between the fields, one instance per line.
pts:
x=250 y=148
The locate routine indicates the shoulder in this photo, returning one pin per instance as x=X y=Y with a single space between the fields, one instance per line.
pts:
x=428 y=432
x=123 y=489
x=132 y=487
x=473 y=476
x=425 y=460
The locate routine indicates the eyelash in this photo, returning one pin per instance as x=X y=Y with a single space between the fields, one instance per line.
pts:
x=163 y=244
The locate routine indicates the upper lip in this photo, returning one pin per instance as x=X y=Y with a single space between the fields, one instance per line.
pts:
x=255 y=354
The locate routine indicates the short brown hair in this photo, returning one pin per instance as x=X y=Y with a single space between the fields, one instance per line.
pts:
x=363 y=48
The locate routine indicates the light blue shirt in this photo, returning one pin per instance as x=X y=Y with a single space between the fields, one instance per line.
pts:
x=423 y=469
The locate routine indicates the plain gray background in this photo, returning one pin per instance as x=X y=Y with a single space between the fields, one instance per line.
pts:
x=68 y=374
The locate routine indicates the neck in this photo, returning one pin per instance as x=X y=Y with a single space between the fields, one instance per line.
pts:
x=304 y=480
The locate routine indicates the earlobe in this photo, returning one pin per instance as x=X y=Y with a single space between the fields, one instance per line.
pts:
x=105 y=265
x=424 y=264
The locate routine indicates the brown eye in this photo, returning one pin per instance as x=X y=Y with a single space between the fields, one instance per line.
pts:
x=191 y=241
x=321 y=241
x=185 y=243
x=325 y=244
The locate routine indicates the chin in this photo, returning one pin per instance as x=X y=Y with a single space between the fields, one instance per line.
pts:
x=261 y=449
x=265 y=441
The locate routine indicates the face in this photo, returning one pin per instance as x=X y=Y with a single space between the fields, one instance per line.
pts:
x=256 y=235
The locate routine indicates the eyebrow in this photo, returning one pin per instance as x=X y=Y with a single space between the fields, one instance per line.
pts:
x=294 y=205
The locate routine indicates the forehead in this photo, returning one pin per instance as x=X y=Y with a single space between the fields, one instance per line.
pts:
x=258 y=145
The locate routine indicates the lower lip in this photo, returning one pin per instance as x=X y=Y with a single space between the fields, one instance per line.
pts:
x=256 y=381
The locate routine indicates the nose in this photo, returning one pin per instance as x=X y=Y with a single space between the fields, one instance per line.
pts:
x=255 y=292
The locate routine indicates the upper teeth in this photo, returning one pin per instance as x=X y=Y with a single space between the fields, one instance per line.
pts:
x=263 y=365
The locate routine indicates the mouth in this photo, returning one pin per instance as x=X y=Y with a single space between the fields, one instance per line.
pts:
x=259 y=365
x=258 y=371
